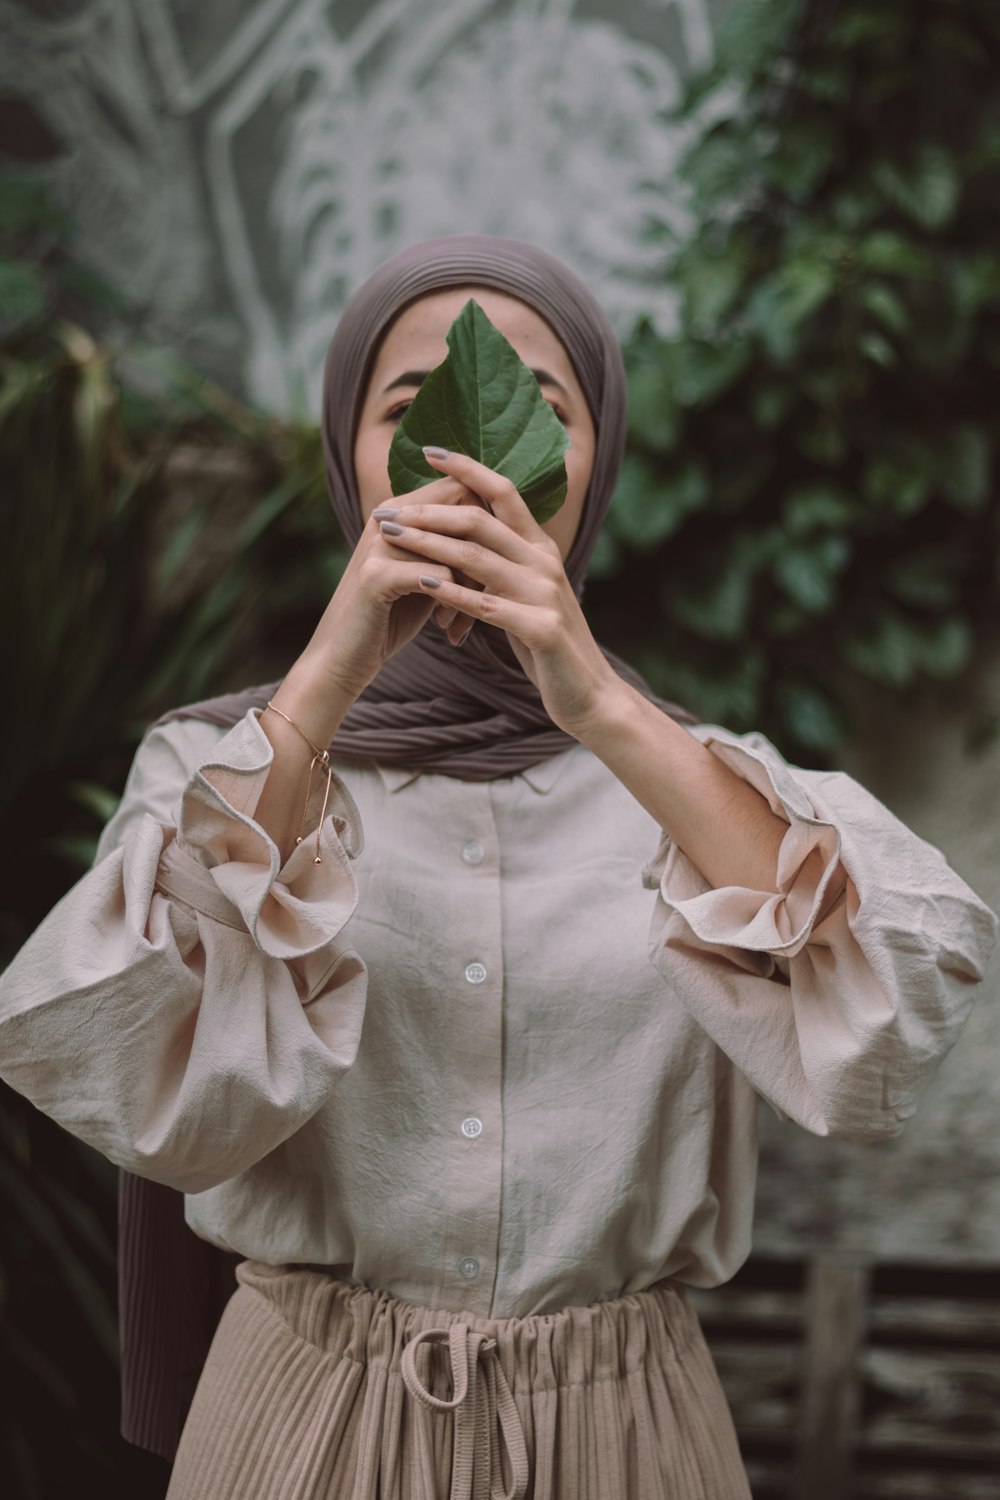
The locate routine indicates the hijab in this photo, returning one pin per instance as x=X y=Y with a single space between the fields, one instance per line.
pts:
x=472 y=714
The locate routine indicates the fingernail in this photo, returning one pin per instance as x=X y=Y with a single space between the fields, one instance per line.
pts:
x=432 y=452
x=389 y=528
x=385 y=513
x=430 y=583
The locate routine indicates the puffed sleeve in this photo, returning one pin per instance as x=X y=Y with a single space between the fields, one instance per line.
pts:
x=186 y=1006
x=838 y=992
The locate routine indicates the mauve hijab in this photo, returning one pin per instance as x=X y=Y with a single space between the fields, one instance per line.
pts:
x=472 y=713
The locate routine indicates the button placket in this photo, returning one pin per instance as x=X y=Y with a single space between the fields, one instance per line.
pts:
x=473 y=1151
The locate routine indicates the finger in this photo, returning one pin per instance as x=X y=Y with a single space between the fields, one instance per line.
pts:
x=460 y=631
x=460 y=555
x=470 y=523
x=444 y=491
x=506 y=614
x=501 y=494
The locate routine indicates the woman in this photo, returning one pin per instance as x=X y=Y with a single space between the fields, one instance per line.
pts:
x=581 y=934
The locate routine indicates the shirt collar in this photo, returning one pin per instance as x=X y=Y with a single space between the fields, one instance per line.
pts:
x=541 y=777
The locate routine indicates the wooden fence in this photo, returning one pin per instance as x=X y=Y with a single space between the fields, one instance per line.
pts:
x=854 y=1381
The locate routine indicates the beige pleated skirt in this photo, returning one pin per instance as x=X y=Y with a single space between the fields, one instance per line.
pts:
x=315 y=1389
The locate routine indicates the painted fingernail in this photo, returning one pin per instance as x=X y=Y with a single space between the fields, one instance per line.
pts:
x=432 y=452
x=430 y=583
x=385 y=512
x=389 y=528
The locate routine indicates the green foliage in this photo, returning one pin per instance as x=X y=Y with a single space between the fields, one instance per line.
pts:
x=811 y=487
x=106 y=627
x=483 y=401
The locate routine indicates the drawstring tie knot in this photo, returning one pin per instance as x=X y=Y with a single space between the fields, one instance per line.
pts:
x=484 y=1409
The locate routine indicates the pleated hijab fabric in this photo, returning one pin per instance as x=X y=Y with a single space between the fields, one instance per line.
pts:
x=472 y=714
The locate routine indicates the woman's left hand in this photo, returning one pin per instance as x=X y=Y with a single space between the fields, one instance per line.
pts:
x=525 y=590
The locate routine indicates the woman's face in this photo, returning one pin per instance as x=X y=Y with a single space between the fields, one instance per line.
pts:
x=415 y=344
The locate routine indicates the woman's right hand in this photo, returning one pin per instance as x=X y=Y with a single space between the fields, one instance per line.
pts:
x=378 y=607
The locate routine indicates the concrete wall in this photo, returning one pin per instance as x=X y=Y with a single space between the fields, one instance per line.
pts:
x=238 y=168
x=933 y=1194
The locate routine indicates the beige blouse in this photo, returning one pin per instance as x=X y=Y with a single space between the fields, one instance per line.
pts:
x=501 y=1050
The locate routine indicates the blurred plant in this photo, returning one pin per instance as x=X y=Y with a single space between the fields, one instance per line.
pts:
x=110 y=617
x=810 y=490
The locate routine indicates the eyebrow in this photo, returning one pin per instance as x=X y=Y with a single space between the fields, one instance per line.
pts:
x=417 y=378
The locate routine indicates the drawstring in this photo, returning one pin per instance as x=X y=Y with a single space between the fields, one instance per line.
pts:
x=481 y=1402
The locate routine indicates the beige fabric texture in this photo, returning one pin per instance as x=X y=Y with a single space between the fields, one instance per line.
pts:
x=501 y=1051
x=305 y=1396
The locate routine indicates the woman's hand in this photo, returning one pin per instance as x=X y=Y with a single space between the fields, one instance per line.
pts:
x=525 y=590
x=379 y=606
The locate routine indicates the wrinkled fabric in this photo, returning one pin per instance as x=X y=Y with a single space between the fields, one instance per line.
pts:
x=500 y=1052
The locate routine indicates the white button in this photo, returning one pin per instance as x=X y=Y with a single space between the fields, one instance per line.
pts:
x=469 y=1267
x=474 y=853
x=475 y=973
x=472 y=1127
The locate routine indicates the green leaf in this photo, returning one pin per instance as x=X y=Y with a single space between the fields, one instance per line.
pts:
x=718 y=168
x=715 y=603
x=649 y=506
x=965 y=467
x=817 y=506
x=771 y=402
x=926 y=189
x=808 y=571
x=710 y=284
x=704 y=371
x=22 y=293
x=802 y=157
x=653 y=417
x=944 y=646
x=752 y=32
x=786 y=298
x=897 y=486
x=482 y=400
x=810 y=715
x=860 y=26
x=889 y=252
x=878 y=349
x=26 y=203
x=884 y=649
x=886 y=305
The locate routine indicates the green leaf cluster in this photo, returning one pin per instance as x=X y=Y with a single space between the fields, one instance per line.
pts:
x=483 y=401
x=810 y=493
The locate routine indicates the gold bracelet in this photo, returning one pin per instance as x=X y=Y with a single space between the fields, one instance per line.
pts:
x=323 y=756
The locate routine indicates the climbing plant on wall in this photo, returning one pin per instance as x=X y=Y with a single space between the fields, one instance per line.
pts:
x=811 y=487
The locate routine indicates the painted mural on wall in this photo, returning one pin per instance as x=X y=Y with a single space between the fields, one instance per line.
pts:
x=237 y=168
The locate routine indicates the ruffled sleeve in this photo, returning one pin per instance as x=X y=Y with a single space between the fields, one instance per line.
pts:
x=187 y=1006
x=839 y=991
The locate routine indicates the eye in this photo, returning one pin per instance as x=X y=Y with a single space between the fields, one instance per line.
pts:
x=395 y=414
x=559 y=413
